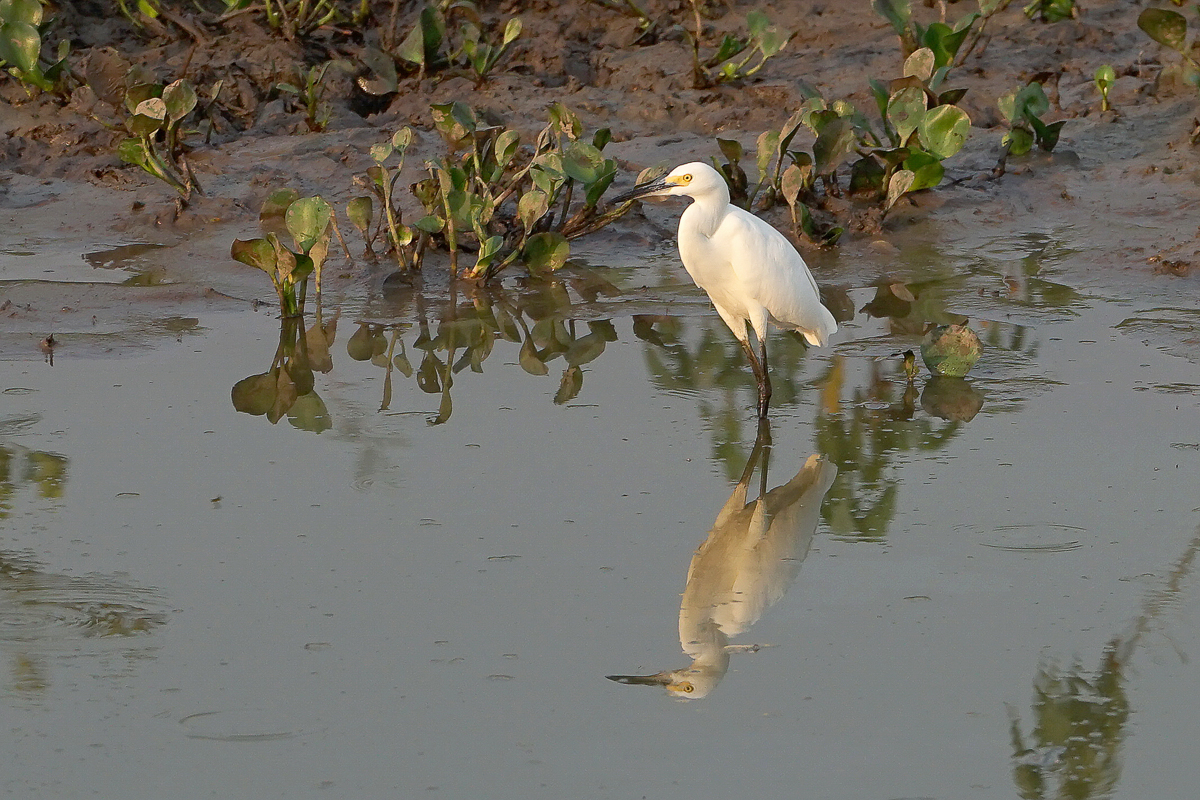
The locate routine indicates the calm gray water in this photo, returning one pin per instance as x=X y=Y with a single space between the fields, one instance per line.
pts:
x=408 y=591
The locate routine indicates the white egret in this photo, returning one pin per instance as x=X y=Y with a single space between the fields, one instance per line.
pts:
x=750 y=271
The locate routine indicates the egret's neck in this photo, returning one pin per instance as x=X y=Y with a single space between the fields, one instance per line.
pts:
x=708 y=209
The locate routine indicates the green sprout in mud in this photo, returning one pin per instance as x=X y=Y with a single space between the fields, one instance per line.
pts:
x=22 y=26
x=452 y=32
x=156 y=114
x=1104 y=78
x=292 y=18
x=309 y=90
x=1169 y=28
x=309 y=220
x=764 y=41
x=1023 y=109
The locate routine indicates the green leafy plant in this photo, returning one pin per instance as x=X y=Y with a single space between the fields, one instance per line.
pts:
x=407 y=243
x=451 y=32
x=950 y=44
x=1169 y=28
x=1104 y=78
x=1023 y=110
x=22 y=26
x=1050 y=10
x=919 y=127
x=309 y=89
x=156 y=114
x=764 y=40
x=309 y=220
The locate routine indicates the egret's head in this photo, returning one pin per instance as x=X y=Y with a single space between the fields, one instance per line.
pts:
x=691 y=683
x=694 y=180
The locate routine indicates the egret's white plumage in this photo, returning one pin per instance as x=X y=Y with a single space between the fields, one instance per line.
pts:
x=750 y=271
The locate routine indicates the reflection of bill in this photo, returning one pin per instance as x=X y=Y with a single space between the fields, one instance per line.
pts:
x=747 y=563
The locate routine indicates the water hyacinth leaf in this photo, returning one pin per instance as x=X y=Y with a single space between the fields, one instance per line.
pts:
x=546 y=252
x=1019 y=141
x=361 y=211
x=20 y=45
x=943 y=130
x=505 y=147
x=597 y=189
x=255 y=253
x=402 y=138
x=255 y=395
x=179 y=98
x=1047 y=135
x=133 y=151
x=430 y=224
x=532 y=206
x=365 y=343
x=1031 y=100
x=601 y=138
x=585 y=349
x=429 y=375
x=950 y=350
x=309 y=413
x=383 y=78
x=901 y=182
x=565 y=121
x=833 y=145
x=927 y=170
x=920 y=64
x=21 y=11
x=1105 y=77
x=308 y=220
x=866 y=175
x=731 y=149
x=271 y=215
x=402 y=365
x=1165 y=27
x=583 y=162
x=380 y=152
x=153 y=107
x=896 y=12
x=944 y=41
x=137 y=92
x=511 y=31
x=906 y=109
x=285 y=260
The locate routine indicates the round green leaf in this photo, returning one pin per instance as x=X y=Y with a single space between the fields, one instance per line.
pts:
x=360 y=210
x=1165 y=27
x=943 y=130
x=902 y=180
x=919 y=64
x=255 y=253
x=307 y=220
x=179 y=99
x=906 y=109
x=20 y=44
x=21 y=11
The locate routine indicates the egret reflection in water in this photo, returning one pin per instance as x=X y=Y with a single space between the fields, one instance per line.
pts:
x=747 y=563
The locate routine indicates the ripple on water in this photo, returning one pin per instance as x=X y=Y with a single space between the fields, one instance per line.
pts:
x=59 y=610
x=1029 y=538
x=242 y=725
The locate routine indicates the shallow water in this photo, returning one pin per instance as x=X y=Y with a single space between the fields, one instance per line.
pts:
x=403 y=589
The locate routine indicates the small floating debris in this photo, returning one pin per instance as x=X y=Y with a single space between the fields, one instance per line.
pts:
x=950 y=350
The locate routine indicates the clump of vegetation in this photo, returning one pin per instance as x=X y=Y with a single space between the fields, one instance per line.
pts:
x=309 y=90
x=156 y=113
x=1169 y=28
x=919 y=127
x=1050 y=10
x=434 y=43
x=492 y=198
x=763 y=41
x=309 y=220
x=946 y=41
x=22 y=26
x=1023 y=109
x=292 y=18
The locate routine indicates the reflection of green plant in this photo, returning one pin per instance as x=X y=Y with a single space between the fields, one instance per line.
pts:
x=156 y=115
x=310 y=222
x=764 y=40
x=463 y=335
x=309 y=89
x=287 y=387
x=21 y=29
x=1169 y=28
x=45 y=471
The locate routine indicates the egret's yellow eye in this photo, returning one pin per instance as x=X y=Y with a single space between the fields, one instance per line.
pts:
x=686 y=179
x=687 y=687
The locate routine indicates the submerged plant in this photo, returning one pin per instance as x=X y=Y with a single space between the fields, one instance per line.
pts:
x=309 y=220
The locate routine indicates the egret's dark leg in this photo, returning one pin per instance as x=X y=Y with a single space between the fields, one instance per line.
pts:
x=759 y=368
x=764 y=386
